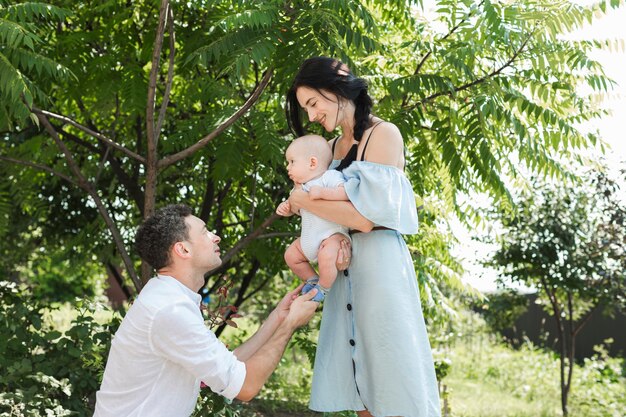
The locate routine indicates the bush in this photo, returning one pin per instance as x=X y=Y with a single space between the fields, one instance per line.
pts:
x=47 y=372
x=501 y=309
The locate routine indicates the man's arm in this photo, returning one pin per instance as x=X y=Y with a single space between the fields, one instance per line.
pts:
x=261 y=364
x=328 y=193
x=268 y=328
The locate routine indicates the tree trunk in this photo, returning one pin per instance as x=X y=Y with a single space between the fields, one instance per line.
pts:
x=560 y=328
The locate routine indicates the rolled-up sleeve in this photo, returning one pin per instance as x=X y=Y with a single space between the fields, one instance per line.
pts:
x=179 y=334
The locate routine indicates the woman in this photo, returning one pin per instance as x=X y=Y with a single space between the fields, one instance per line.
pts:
x=373 y=353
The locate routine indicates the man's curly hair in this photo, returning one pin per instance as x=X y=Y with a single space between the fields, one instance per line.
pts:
x=156 y=236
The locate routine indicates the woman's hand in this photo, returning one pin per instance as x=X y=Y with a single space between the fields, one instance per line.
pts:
x=343 y=255
x=297 y=200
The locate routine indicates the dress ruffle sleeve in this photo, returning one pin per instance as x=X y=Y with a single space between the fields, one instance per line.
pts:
x=382 y=194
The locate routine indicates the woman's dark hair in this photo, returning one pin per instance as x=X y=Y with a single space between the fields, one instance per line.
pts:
x=323 y=73
x=156 y=236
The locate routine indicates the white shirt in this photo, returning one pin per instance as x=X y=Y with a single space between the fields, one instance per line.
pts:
x=161 y=353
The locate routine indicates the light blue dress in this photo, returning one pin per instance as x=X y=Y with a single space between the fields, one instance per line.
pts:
x=373 y=351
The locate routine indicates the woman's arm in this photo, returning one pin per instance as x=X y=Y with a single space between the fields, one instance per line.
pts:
x=341 y=212
x=328 y=193
x=385 y=147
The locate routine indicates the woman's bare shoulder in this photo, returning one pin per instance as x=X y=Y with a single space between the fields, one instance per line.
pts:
x=385 y=145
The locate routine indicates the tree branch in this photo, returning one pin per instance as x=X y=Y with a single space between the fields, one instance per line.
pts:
x=585 y=319
x=405 y=99
x=86 y=185
x=478 y=81
x=131 y=186
x=219 y=215
x=450 y=33
x=242 y=243
x=170 y=74
x=41 y=167
x=154 y=72
x=277 y=234
x=151 y=172
x=257 y=289
x=77 y=140
x=172 y=159
x=207 y=199
x=90 y=132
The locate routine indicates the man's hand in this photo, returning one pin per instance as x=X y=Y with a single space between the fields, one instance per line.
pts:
x=343 y=255
x=302 y=310
x=284 y=209
x=282 y=309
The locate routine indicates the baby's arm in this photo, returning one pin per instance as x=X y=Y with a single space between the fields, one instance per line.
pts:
x=328 y=193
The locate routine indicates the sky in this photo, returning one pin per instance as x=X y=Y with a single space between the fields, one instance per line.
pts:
x=612 y=129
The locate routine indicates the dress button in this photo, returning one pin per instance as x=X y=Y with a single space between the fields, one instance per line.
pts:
x=345 y=272
x=349 y=307
x=352 y=343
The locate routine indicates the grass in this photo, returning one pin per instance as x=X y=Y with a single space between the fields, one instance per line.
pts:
x=473 y=398
x=488 y=378
x=496 y=381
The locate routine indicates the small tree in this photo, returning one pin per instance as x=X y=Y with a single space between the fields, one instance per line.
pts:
x=569 y=243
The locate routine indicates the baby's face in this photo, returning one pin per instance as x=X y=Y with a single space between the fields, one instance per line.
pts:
x=298 y=165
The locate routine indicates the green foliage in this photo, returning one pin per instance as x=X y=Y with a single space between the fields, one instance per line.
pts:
x=501 y=309
x=302 y=340
x=568 y=241
x=491 y=379
x=486 y=93
x=214 y=405
x=23 y=34
x=45 y=371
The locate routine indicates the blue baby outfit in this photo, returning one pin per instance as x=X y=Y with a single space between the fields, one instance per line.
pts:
x=373 y=351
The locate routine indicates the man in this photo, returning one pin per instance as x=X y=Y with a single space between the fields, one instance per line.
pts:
x=163 y=350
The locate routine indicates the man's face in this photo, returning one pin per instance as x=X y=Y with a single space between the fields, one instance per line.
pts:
x=203 y=244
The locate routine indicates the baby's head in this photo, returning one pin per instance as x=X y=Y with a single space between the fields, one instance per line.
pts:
x=307 y=158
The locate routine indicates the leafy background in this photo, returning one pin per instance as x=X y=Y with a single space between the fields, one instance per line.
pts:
x=107 y=115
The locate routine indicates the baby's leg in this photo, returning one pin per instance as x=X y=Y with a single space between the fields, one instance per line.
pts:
x=327 y=258
x=297 y=262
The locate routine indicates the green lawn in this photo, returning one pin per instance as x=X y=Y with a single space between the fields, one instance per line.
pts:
x=489 y=379
x=472 y=398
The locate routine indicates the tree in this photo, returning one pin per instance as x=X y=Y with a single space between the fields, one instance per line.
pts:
x=183 y=101
x=570 y=244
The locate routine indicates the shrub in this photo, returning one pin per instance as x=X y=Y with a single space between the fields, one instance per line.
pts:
x=47 y=372
x=501 y=309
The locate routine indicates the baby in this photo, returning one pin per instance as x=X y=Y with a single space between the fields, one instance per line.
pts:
x=308 y=158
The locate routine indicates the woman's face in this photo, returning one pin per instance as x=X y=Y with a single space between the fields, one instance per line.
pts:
x=322 y=109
